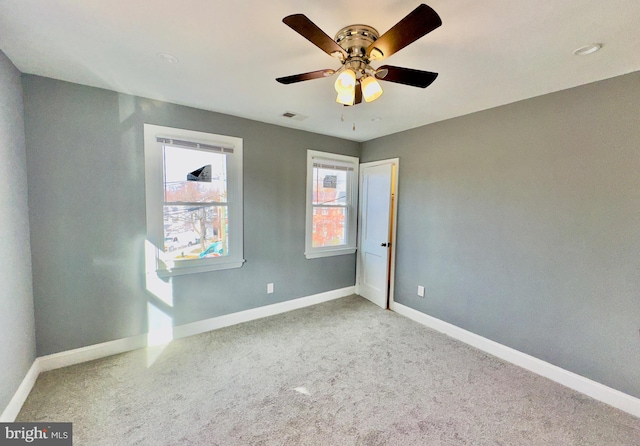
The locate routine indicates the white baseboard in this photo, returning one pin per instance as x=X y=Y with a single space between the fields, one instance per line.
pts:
x=13 y=408
x=91 y=352
x=215 y=323
x=97 y=351
x=600 y=392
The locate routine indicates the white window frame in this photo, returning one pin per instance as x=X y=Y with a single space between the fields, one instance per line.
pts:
x=314 y=156
x=154 y=182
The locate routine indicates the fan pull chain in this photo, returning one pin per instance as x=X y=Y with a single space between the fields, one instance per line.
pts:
x=342 y=119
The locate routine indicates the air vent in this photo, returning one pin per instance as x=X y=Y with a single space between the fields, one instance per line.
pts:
x=294 y=116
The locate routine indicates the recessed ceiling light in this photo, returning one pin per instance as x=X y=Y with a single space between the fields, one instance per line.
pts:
x=169 y=58
x=587 y=49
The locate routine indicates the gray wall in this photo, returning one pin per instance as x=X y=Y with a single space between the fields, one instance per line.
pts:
x=17 y=332
x=522 y=222
x=87 y=208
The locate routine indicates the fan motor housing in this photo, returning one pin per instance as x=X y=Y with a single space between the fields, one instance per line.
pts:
x=355 y=39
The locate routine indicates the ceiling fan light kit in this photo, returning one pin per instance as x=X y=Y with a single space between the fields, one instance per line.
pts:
x=345 y=81
x=371 y=89
x=357 y=45
x=346 y=97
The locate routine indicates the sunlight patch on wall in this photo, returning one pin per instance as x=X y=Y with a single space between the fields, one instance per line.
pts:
x=160 y=332
x=159 y=323
x=161 y=289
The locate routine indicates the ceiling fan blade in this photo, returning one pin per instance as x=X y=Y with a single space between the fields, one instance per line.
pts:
x=406 y=76
x=305 y=76
x=419 y=22
x=310 y=31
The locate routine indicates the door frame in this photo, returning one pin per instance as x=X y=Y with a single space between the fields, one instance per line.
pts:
x=394 y=224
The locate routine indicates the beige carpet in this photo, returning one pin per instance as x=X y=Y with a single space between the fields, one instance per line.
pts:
x=340 y=373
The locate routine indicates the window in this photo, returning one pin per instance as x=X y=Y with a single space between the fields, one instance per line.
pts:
x=194 y=200
x=332 y=191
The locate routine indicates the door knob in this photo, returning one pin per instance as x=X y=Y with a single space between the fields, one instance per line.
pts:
x=385 y=244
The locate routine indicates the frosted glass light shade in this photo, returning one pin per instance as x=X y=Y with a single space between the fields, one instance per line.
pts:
x=371 y=89
x=346 y=81
x=376 y=54
x=347 y=97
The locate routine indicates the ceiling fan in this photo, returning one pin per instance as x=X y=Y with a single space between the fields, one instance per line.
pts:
x=358 y=45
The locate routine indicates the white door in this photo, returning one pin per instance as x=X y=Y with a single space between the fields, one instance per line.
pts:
x=375 y=234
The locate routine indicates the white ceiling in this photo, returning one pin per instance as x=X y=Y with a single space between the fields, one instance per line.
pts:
x=487 y=53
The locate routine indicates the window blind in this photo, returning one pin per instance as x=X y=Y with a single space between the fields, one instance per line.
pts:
x=193 y=145
x=332 y=164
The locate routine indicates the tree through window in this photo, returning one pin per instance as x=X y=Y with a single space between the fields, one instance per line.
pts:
x=195 y=203
x=194 y=199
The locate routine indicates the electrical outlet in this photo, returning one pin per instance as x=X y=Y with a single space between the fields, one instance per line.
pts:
x=270 y=288
x=420 y=291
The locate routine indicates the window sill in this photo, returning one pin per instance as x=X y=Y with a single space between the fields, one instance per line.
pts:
x=195 y=269
x=329 y=253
